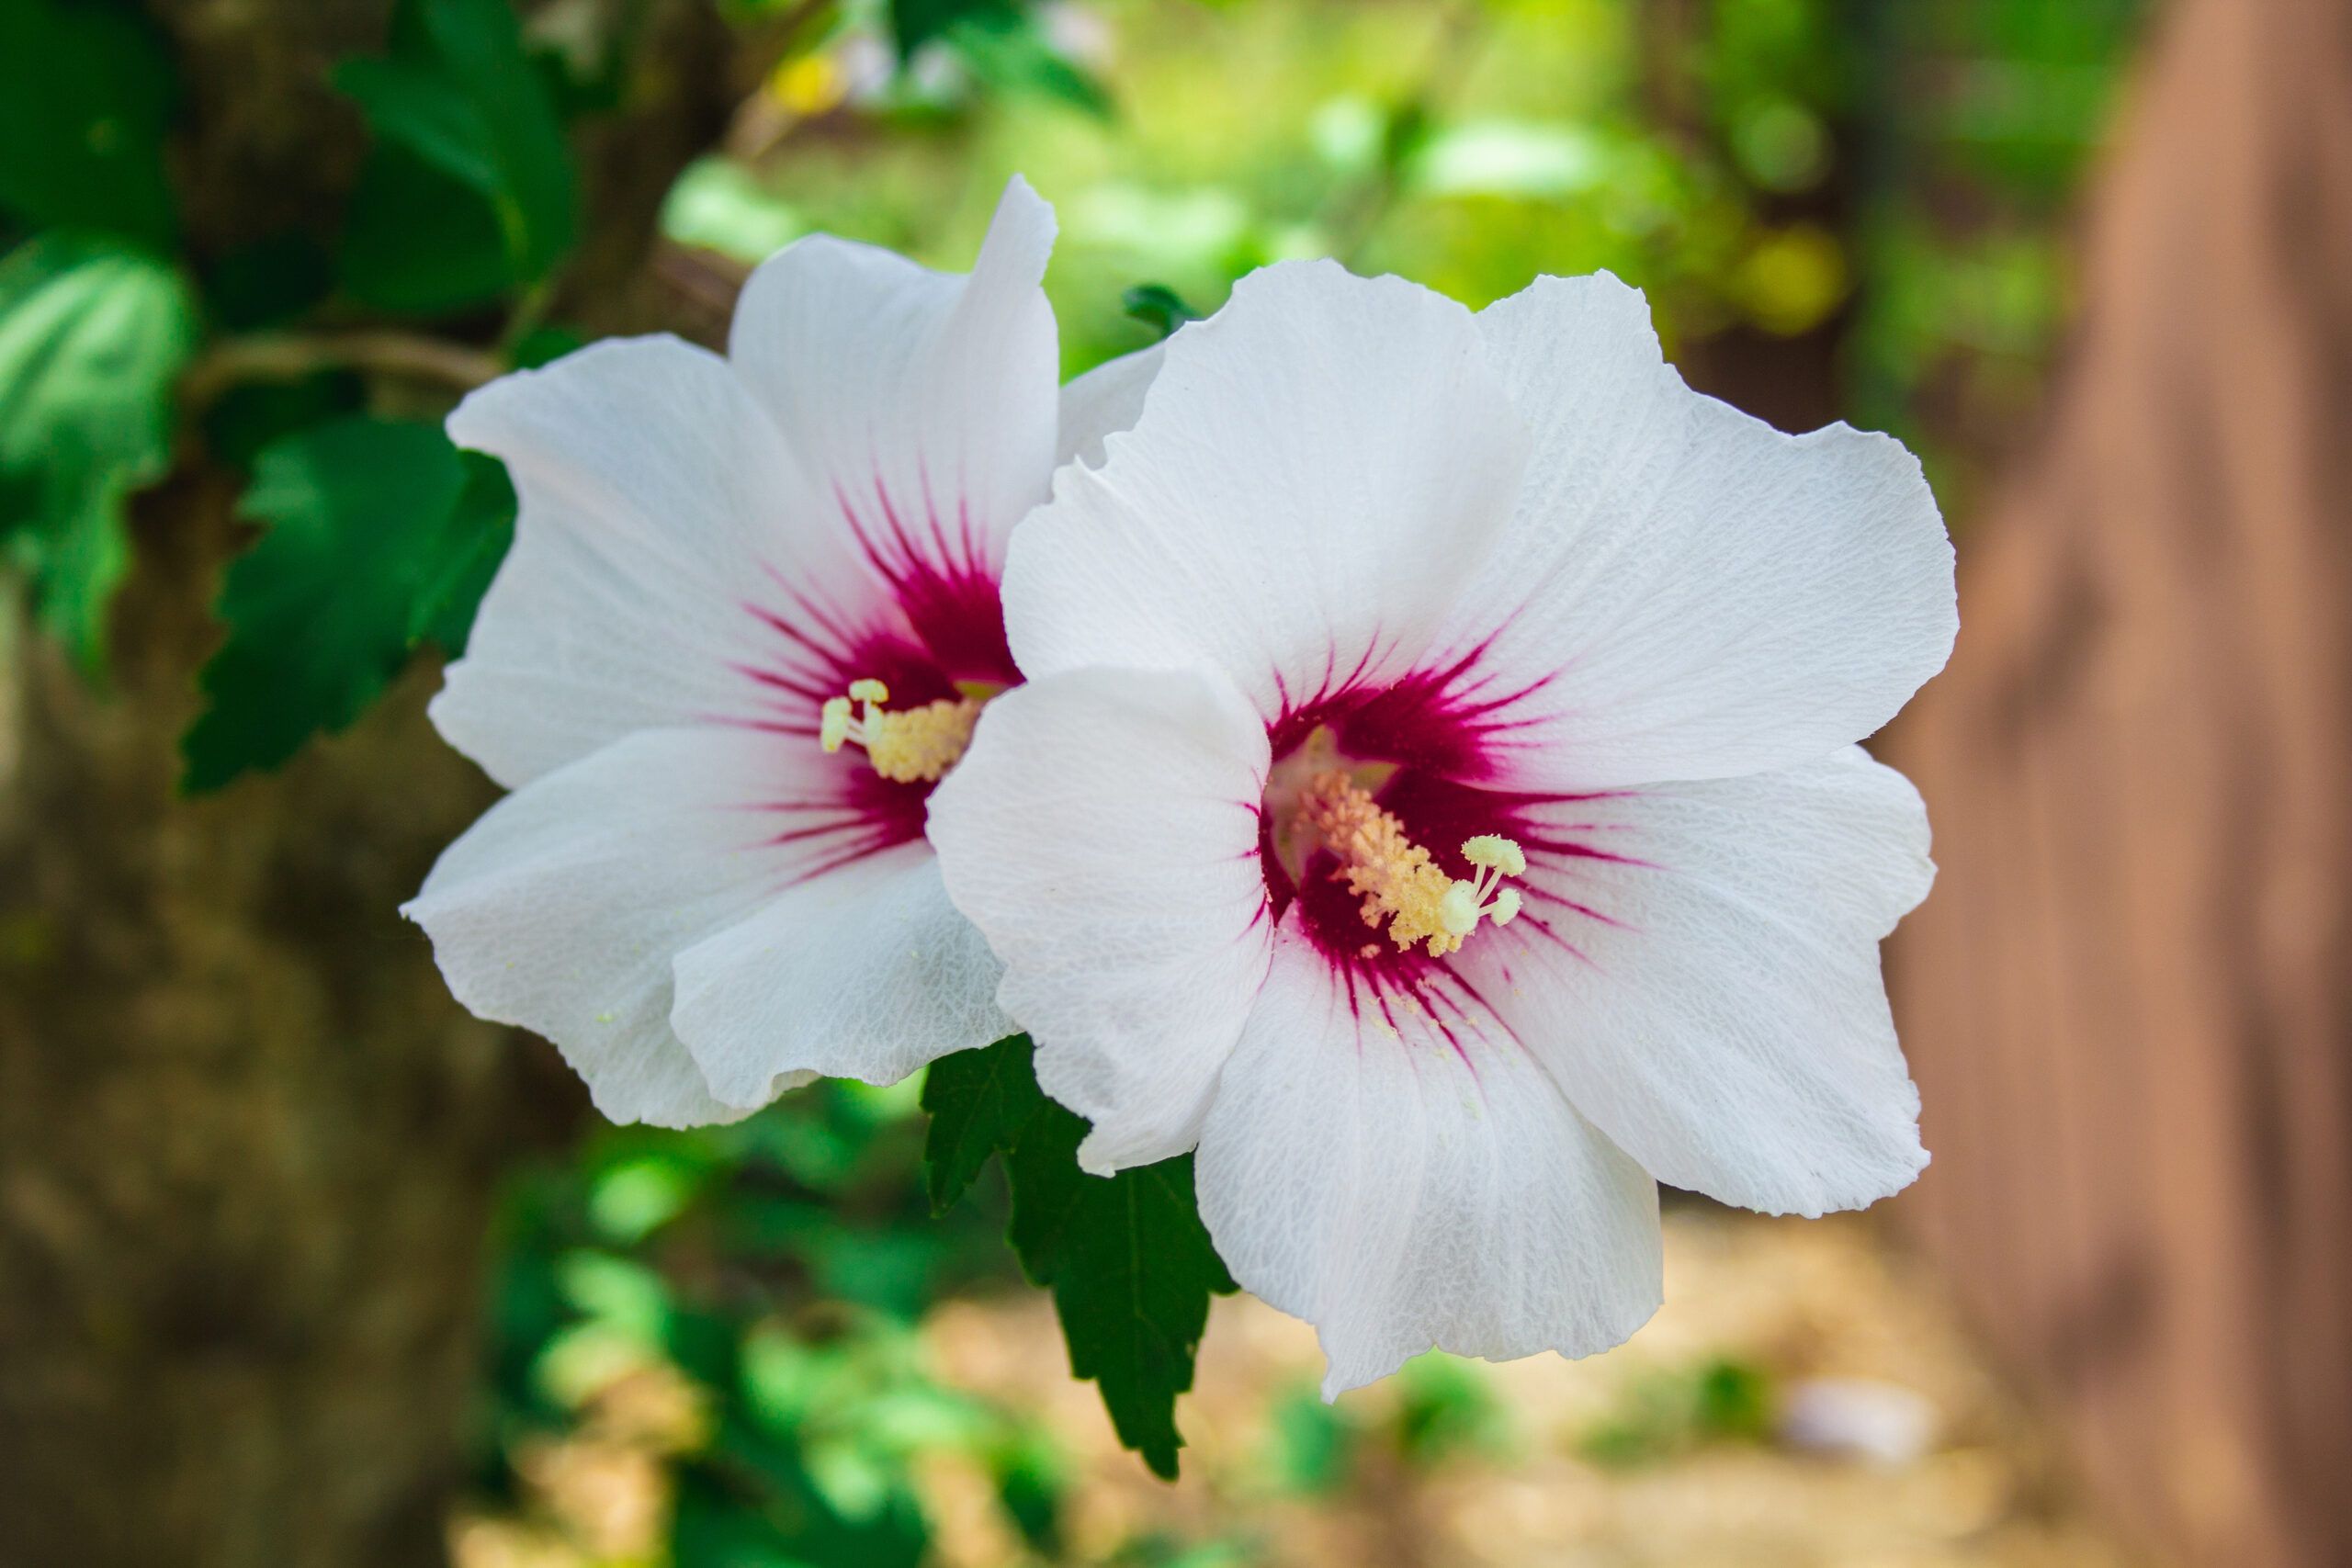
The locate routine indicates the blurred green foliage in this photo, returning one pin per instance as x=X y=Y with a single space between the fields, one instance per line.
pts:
x=743 y=1305
x=752 y=1292
x=1440 y=1411
x=92 y=336
x=1894 y=175
x=85 y=94
x=1983 y=116
x=469 y=190
x=1717 y=1400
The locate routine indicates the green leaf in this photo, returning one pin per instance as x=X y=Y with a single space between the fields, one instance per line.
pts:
x=379 y=536
x=86 y=91
x=415 y=243
x=914 y=23
x=1005 y=50
x=1157 y=307
x=470 y=154
x=1130 y=1264
x=267 y=282
x=543 y=345
x=91 y=338
x=980 y=1102
x=999 y=44
x=427 y=111
x=245 y=419
x=1132 y=1271
x=481 y=529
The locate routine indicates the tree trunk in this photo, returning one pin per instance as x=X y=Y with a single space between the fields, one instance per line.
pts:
x=246 y=1141
x=2127 y=1000
x=248 y=1144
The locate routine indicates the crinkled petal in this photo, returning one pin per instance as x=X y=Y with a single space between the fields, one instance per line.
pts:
x=1398 y=1171
x=1102 y=833
x=1685 y=593
x=865 y=973
x=563 y=909
x=1697 y=965
x=1320 y=469
x=1105 y=401
x=924 y=402
x=666 y=539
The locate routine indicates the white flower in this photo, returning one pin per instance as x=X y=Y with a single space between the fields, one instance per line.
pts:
x=708 y=885
x=1435 y=799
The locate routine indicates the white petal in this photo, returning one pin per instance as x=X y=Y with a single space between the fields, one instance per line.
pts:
x=1319 y=469
x=924 y=401
x=1102 y=833
x=1685 y=592
x=865 y=973
x=1697 y=965
x=661 y=519
x=1403 y=1176
x=562 y=909
x=1105 y=401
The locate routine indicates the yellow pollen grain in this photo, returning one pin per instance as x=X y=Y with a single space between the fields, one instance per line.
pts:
x=922 y=743
x=918 y=745
x=1395 y=877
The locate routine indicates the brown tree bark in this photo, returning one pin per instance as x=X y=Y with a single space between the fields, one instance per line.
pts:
x=2129 y=1001
x=248 y=1145
x=246 y=1142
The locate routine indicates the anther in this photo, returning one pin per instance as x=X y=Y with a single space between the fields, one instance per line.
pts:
x=916 y=746
x=1398 y=880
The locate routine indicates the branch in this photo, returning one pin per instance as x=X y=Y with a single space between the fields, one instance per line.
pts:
x=289 y=356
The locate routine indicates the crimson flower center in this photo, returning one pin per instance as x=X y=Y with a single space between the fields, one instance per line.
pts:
x=1323 y=822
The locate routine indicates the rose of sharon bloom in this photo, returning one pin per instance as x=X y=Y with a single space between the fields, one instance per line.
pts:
x=749 y=616
x=1435 y=797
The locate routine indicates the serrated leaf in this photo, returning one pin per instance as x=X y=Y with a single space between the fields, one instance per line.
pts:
x=1130 y=1264
x=470 y=190
x=379 y=536
x=91 y=338
x=979 y=1102
x=84 y=95
x=1132 y=1271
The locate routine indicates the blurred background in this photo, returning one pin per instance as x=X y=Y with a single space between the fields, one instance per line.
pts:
x=300 y=1266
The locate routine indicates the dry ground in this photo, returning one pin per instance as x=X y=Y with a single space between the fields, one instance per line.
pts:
x=1556 y=1464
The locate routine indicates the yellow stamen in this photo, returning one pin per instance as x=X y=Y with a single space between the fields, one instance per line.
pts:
x=918 y=745
x=1395 y=876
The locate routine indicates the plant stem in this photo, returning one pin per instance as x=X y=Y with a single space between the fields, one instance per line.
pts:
x=289 y=356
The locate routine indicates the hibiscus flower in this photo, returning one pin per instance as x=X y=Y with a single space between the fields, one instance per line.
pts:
x=1435 y=799
x=749 y=616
